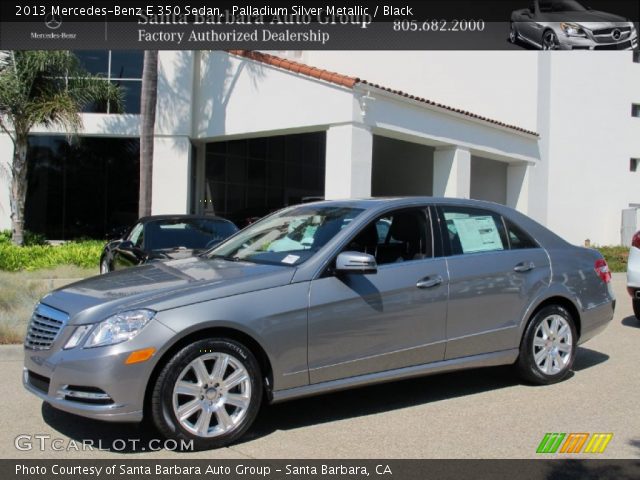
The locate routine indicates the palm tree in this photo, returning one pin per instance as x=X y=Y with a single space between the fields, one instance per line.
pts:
x=148 y=98
x=43 y=88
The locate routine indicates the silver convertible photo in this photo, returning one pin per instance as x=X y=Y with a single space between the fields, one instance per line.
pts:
x=568 y=25
x=312 y=299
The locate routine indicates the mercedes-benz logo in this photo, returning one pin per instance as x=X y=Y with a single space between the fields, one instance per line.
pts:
x=616 y=34
x=53 y=21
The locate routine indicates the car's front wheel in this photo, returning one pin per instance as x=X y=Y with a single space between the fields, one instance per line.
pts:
x=636 y=308
x=209 y=392
x=550 y=41
x=513 y=33
x=104 y=266
x=548 y=346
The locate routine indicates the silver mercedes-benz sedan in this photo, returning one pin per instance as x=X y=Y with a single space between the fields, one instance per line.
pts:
x=316 y=298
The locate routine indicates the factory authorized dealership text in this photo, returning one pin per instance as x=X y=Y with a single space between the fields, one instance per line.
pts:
x=263 y=35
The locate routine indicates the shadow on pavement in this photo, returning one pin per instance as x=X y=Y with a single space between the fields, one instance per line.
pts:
x=314 y=410
x=631 y=321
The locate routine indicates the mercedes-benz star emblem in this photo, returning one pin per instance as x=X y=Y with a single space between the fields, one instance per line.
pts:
x=53 y=21
x=616 y=34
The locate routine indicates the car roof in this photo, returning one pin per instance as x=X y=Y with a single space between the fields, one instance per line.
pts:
x=542 y=234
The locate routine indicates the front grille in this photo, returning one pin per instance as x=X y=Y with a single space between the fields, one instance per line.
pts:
x=45 y=325
x=609 y=31
x=39 y=382
x=614 y=46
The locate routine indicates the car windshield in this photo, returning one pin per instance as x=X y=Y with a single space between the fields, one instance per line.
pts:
x=561 y=6
x=191 y=233
x=288 y=237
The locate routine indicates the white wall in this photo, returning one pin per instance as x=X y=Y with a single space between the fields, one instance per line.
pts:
x=592 y=137
x=237 y=96
x=499 y=85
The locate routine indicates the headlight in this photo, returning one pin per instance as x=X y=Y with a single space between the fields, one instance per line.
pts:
x=572 y=29
x=119 y=328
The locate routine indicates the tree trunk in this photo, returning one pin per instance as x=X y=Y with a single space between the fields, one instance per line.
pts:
x=18 y=187
x=147 y=126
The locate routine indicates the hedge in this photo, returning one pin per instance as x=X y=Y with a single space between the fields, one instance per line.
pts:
x=34 y=257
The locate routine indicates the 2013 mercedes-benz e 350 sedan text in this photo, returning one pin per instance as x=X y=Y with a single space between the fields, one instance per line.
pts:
x=316 y=298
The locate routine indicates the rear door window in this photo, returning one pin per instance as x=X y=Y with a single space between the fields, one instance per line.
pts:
x=473 y=230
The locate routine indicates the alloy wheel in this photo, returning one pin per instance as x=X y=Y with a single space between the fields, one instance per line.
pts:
x=212 y=395
x=552 y=345
x=550 y=41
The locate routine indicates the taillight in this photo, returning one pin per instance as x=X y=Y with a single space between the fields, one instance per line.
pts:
x=602 y=269
x=635 y=241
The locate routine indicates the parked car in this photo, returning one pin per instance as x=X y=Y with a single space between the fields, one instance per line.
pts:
x=633 y=274
x=164 y=237
x=312 y=299
x=568 y=25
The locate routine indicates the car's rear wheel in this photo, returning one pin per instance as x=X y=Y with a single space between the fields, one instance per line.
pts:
x=209 y=392
x=636 y=308
x=548 y=347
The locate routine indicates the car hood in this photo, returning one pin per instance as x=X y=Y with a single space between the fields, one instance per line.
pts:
x=163 y=285
x=592 y=19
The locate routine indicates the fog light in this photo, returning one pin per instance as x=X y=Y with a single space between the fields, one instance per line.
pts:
x=140 y=355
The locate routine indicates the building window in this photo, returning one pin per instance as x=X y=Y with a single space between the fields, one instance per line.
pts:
x=124 y=68
x=83 y=189
x=635 y=110
x=633 y=164
x=249 y=178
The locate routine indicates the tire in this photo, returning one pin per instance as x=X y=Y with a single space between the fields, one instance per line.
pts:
x=223 y=422
x=513 y=33
x=636 y=308
x=553 y=331
x=550 y=40
x=104 y=266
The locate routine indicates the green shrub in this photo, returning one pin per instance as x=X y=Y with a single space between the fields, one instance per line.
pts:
x=616 y=257
x=30 y=238
x=34 y=257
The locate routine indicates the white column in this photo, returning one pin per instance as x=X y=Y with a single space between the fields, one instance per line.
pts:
x=171 y=157
x=348 y=162
x=518 y=187
x=6 y=147
x=452 y=172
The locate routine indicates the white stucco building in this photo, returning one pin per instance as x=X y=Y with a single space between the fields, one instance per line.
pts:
x=555 y=135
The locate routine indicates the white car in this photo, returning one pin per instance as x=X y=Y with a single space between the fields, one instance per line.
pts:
x=633 y=274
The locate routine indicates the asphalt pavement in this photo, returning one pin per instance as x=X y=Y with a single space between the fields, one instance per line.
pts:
x=484 y=413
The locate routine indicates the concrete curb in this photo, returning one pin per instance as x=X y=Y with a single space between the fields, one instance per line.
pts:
x=10 y=353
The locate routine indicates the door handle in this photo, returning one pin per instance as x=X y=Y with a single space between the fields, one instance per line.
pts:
x=524 y=267
x=429 y=282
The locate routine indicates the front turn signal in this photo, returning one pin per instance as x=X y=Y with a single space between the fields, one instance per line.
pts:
x=140 y=356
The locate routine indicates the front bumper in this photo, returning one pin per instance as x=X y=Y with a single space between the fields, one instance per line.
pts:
x=584 y=43
x=66 y=378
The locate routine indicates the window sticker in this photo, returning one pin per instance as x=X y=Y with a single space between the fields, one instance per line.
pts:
x=290 y=259
x=478 y=234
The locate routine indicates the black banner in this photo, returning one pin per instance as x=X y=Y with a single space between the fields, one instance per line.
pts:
x=433 y=25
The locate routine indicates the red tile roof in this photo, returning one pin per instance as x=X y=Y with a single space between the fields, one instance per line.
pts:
x=351 y=82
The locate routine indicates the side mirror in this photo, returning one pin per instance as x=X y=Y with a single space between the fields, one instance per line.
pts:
x=126 y=245
x=356 y=262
